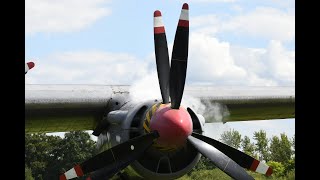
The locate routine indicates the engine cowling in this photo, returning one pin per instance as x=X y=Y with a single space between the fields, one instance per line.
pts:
x=156 y=163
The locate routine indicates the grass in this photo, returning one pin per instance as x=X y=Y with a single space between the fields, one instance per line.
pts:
x=213 y=174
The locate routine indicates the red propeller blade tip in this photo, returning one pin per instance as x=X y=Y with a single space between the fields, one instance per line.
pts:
x=62 y=177
x=157 y=13
x=185 y=6
x=157 y=23
x=184 y=16
x=269 y=172
x=30 y=65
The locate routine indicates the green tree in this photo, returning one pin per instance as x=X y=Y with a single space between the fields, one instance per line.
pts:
x=231 y=138
x=280 y=149
x=47 y=156
x=294 y=143
x=247 y=146
x=38 y=150
x=261 y=145
x=277 y=168
x=75 y=148
x=286 y=147
x=28 y=173
x=275 y=152
x=290 y=165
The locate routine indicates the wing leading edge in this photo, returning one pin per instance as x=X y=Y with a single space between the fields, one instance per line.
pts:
x=60 y=108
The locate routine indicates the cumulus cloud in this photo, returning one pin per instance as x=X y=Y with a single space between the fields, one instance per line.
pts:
x=91 y=67
x=218 y=62
x=281 y=62
x=63 y=16
x=263 y=22
x=212 y=61
x=273 y=65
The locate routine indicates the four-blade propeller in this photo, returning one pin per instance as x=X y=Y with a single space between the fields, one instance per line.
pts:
x=226 y=158
x=170 y=125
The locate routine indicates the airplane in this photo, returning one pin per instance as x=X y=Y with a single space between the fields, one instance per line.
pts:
x=159 y=138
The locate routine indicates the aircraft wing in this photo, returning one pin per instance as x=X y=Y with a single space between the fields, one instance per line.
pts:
x=60 y=108
x=247 y=103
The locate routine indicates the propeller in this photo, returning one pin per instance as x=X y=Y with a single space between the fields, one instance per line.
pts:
x=172 y=80
x=173 y=122
x=171 y=125
x=115 y=158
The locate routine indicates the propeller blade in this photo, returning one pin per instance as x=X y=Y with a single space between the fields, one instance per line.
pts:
x=179 y=58
x=239 y=157
x=195 y=120
x=162 y=56
x=115 y=158
x=107 y=172
x=219 y=159
x=28 y=66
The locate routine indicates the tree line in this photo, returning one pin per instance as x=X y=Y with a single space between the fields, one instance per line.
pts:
x=47 y=156
x=277 y=151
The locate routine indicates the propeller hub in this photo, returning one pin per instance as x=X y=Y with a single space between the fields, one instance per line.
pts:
x=173 y=126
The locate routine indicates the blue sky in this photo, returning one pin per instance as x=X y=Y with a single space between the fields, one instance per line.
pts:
x=232 y=42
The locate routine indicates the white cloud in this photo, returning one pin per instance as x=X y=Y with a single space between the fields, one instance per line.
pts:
x=281 y=62
x=213 y=61
x=204 y=20
x=273 y=65
x=210 y=62
x=62 y=16
x=91 y=67
x=263 y=22
x=221 y=63
x=266 y=22
x=284 y=3
x=237 y=8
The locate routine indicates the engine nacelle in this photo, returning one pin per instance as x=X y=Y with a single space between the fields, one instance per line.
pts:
x=126 y=122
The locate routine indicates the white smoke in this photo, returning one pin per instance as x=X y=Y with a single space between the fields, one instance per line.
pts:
x=215 y=112
x=211 y=111
x=145 y=89
x=148 y=88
